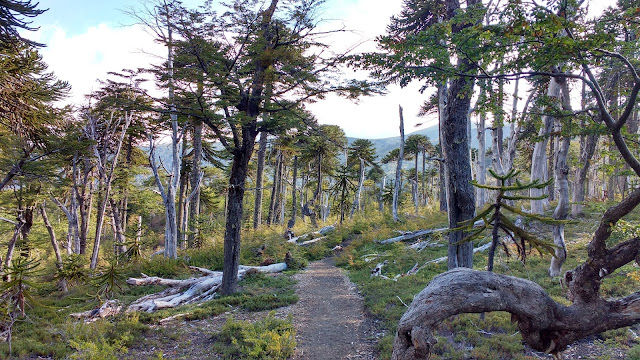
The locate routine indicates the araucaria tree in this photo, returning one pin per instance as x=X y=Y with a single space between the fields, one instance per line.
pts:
x=238 y=66
x=529 y=33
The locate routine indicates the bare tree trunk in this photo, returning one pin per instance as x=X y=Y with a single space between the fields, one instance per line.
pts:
x=294 y=204
x=12 y=245
x=54 y=242
x=257 y=210
x=539 y=159
x=73 y=243
x=397 y=184
x=442 y=105
x=587 y=150
x=481 y=193
x=118 y=230
x=274 y=189
x=106 y=176
x=381 y=195
x=415 y=184
x=356 y=203
x=85 y=204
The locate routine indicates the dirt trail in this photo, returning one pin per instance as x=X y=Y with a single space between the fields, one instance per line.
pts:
x=329 y=317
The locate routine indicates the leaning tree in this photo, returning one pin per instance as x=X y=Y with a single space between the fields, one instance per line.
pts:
x=546 y=325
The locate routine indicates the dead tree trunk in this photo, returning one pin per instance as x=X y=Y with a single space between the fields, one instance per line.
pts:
x=539 y=159
x=257 y=210
x=397 y=184
x=481 y=193
x=188 y=291
x=106 y=174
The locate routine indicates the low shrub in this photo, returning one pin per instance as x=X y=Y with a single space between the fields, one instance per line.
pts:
x=270 y=338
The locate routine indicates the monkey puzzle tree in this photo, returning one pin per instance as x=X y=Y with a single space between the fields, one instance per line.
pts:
x=363 y=152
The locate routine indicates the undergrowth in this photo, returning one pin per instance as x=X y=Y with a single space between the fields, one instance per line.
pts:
x=270 y=338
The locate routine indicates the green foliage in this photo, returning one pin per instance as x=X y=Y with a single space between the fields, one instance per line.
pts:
x=493 y=216
x=108 y=281
x=17 y=292
x=73 y=270
x=270 y=338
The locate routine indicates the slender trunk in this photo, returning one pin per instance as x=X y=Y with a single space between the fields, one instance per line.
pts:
x=11 y=246
x=106 y=177
x=250 y=103
x=381 y=194
x=415 y=184
x=397 y=184
x=118 y=230
x=257 y=210
x=274 y=189
x=181 y=215
x=356 y=203
x=85 y=204
x=294 y=204
x=587 y=150
x=442 y=105
x=481 y=193
x=424 y=189
x=495 y=238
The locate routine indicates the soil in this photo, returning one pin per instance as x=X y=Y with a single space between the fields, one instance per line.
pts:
x=330 y=321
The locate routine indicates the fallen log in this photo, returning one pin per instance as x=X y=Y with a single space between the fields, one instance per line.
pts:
x=108 y=308
x=420 y=233
x=310 y=238
x=198 y=289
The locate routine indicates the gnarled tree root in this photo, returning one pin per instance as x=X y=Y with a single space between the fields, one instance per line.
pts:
x=544 y=324
x=197 y=289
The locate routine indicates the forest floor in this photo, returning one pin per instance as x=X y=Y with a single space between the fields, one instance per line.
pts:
x=329 y=318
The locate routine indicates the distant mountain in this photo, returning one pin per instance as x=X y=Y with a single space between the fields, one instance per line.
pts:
x=383 y=146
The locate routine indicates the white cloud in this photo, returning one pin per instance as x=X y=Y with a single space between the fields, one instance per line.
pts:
x=83 y=59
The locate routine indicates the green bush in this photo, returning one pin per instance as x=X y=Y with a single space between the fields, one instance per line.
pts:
x=270 y=338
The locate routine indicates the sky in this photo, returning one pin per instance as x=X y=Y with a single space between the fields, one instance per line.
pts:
x=86 y=39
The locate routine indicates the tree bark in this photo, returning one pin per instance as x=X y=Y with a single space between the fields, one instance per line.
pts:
x=455 y=149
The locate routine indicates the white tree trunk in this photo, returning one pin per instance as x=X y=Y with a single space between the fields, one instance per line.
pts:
x=396 y=188
x=539 y=160
x=561 y=173
x=197 y=289
x=481 y=194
